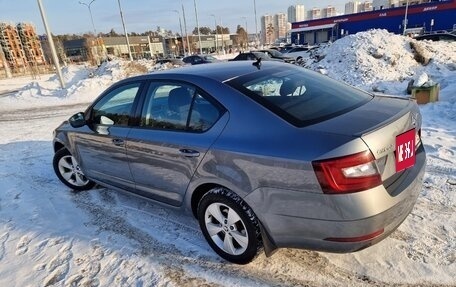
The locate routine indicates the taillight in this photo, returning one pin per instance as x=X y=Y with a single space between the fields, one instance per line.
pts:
x=347 y=174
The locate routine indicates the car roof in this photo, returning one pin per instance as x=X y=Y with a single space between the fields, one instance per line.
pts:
x=219 y=71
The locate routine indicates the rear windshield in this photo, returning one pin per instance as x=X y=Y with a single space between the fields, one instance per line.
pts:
x=300 y=96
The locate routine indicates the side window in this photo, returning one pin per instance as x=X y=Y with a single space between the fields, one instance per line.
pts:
x=173 y=106
x=115 y=107
x=204 y=114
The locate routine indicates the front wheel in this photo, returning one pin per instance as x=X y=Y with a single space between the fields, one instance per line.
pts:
x=229 y=226
x=68 y=171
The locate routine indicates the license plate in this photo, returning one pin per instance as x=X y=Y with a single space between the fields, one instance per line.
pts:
x=405 y=150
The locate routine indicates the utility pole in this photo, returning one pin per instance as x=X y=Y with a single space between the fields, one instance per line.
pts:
x=186 y=33
x=182 y=34
x=51 y=44
x=125 y=31
x=198 y=27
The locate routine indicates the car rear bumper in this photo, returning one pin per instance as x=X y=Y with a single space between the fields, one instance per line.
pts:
x=336 y=223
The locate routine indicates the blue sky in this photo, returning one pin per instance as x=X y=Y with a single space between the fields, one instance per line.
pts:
x=68 y=16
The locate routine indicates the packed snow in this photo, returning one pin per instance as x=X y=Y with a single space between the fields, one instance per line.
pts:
x=51 y=236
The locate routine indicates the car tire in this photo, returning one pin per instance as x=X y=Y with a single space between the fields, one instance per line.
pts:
x=68 y=171
x=230 y=226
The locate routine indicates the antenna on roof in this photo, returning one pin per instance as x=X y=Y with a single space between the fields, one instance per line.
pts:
x=257 y=63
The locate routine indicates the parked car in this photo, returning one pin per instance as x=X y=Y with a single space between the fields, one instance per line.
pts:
x=277 y=55
x=448 y=37
x=299 y=53
x=199 y=59
x=265 y=156
x=176 y=62
x=253 y=56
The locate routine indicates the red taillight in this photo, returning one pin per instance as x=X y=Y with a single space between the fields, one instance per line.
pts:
x=347 y=174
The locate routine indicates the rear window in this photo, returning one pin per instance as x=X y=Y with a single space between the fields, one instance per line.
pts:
x=300 y=96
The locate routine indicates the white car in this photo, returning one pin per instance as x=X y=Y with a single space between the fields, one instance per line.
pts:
x=300 y=53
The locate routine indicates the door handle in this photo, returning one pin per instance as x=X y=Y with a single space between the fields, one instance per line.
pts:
x=189 y=152
x=118 y=142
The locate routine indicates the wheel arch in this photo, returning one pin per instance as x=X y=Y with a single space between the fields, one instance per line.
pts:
x=198 y=193
x=58 y=146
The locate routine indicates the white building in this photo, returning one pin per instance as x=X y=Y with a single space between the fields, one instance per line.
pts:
x=280 y=26
x=315 y=13
x=296 y=13
x=267 y=29
x=351 y=7
x=329 y=11
x=365 y=6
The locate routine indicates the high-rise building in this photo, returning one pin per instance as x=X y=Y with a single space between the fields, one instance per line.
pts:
x=351 y=7
x=291 y=11
x=329 y=11
x=267 y=29
x=314 y=13
x=300 y=13
x=365 y=6
x=296 y=13
x=280 y=26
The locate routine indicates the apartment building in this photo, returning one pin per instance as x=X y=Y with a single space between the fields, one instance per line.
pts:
x=21 y=47
x=280 y=26
x=267 y=29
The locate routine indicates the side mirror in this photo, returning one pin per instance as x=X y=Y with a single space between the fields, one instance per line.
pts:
x=77 y=120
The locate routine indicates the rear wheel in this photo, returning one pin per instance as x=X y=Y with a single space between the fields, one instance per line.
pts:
x=68 y=171
x=229 y=226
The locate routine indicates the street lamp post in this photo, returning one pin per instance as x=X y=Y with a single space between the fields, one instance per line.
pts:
x=90 y=12
x=186 y=33
x=223 y=40
x=198 y=27
x=405 y=17
x=180 y=25
x=125 y=31
x=216 y=33
x=256 y=23
x=93 y=26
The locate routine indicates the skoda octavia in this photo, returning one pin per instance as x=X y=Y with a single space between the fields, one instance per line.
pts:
x=264 y=155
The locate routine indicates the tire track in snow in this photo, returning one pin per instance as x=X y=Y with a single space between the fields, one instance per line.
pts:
x=3 y=240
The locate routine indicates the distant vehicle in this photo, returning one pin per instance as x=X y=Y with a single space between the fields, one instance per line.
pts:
x=269 y=155
x=253 y=56
x=199 y=59
x=278 y=55
x=447 y=37
x=299 y=53
x=174 y=62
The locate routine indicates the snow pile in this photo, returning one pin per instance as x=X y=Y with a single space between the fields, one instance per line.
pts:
x=83 y=84
x=376 y=58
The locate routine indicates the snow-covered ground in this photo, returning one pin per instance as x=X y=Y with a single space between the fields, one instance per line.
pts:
x=51 y=236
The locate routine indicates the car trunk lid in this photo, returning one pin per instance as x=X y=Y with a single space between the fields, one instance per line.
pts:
x=378 y=123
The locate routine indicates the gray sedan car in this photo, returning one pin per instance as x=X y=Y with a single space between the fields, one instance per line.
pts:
x=264 y=155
